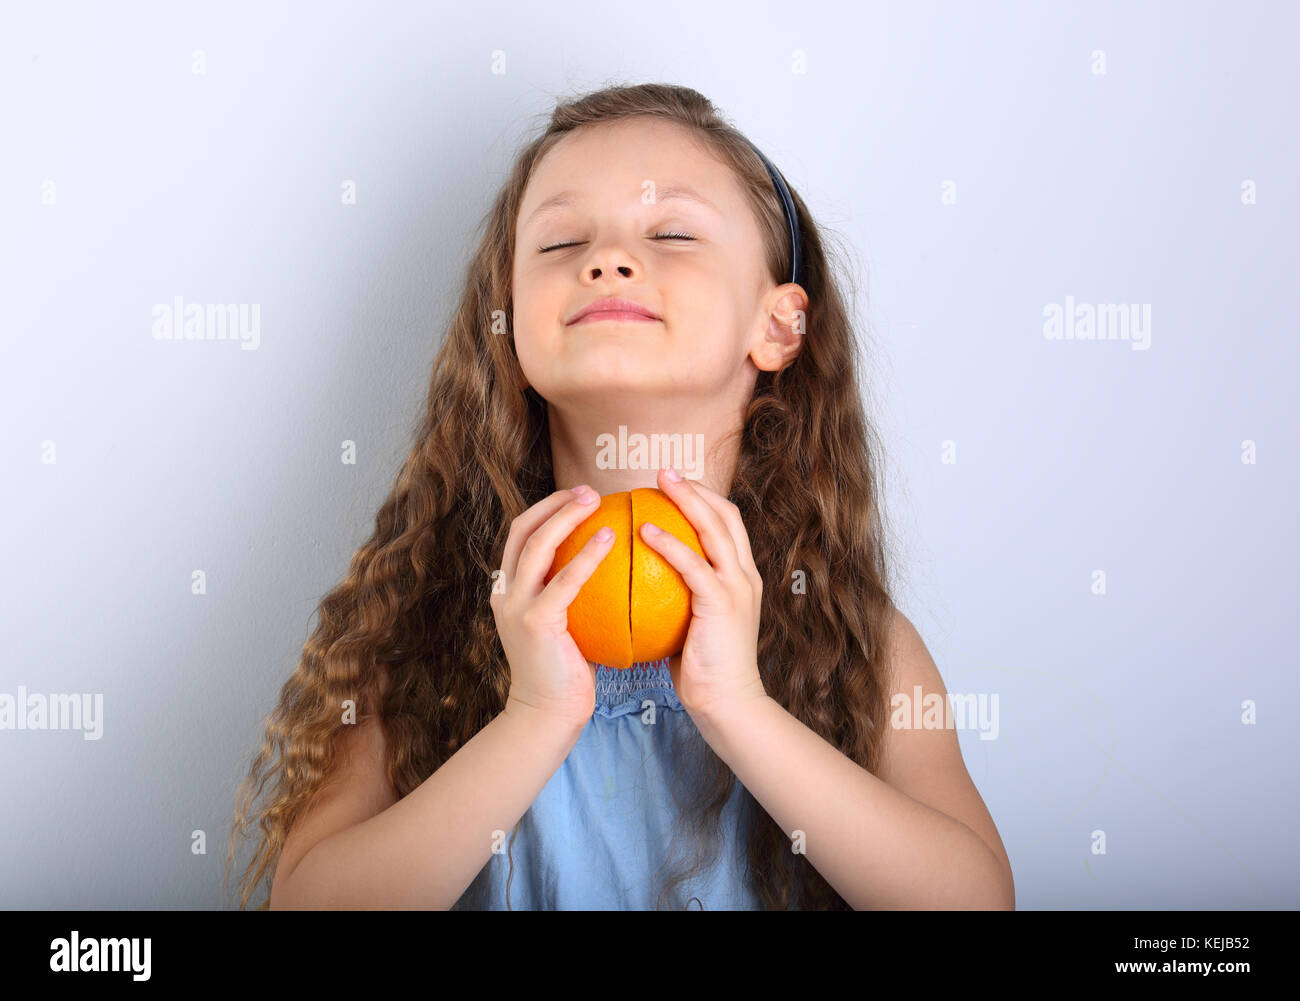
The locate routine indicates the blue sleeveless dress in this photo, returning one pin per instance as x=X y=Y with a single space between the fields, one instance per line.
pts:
x=603 y=833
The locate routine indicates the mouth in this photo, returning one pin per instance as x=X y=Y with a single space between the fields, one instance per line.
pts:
x=613 y=316
x=614 y=310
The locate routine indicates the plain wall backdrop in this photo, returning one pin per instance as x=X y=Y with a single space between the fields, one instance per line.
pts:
x=981 y=161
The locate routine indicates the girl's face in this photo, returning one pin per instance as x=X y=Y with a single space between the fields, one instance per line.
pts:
x=637 y=210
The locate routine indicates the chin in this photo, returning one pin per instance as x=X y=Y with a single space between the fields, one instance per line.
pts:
x=585 y=382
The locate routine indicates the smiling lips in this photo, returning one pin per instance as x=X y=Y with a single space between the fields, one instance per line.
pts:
x=616 y=310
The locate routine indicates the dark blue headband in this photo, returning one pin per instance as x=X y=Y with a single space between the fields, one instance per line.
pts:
x=791 y=217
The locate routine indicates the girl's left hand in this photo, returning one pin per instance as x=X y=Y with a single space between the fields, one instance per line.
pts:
x=718 y=666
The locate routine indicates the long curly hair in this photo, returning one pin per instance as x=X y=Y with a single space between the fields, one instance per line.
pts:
x=415 y=600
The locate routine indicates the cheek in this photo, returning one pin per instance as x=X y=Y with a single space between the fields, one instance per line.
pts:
x=718 y=358
x=526 y=346
x=536 y=346
x=715 y=333
x=525 y=318
x=535 y=297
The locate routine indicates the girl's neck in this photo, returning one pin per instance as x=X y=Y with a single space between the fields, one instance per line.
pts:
x=614 y=453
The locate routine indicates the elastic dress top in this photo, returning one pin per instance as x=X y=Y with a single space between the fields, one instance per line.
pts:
x=603 y=832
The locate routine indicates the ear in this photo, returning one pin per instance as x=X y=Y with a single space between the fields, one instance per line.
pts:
x=776 y=343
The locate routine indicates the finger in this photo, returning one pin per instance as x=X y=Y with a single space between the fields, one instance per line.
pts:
x=730 y=515
x=558 y=595
x=700 y=577
x=539 y=551
x=525 y=525
x=708 y=524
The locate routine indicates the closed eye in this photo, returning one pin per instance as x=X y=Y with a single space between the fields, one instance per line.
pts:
x=656 y=236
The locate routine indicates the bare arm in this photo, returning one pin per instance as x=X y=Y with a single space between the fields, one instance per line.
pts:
x=916 y=835
x=359 y=847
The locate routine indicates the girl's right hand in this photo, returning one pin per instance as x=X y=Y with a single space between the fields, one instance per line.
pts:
x=547 y=671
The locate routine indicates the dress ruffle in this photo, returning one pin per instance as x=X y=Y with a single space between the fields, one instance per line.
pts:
x=619 y=692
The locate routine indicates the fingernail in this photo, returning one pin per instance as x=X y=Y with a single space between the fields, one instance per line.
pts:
x=605 y=534
x=673 y=475
x=584 y=494
x=650 y=528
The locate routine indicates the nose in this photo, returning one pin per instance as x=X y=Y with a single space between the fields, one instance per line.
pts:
x=596 y=271
x=608 y=257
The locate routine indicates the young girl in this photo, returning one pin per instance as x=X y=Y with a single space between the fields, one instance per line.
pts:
x=644 y=271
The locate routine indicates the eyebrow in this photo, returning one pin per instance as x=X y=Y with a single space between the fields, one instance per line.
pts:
x=673 y=192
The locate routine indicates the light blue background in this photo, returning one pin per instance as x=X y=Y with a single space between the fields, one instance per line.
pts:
x=1119 y=712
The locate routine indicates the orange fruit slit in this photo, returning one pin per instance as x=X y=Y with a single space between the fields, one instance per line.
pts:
x=635 y=607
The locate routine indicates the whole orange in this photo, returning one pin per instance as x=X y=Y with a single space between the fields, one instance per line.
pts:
x=635 y=607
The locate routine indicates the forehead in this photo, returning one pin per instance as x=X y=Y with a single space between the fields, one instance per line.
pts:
x=613 y=161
